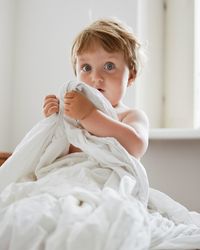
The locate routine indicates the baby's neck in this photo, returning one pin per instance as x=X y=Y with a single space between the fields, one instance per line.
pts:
x=121 y=107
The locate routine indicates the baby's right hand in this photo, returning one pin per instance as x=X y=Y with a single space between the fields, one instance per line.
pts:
x=51 y=105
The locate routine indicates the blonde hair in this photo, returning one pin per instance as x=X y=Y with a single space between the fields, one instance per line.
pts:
x=113 y=36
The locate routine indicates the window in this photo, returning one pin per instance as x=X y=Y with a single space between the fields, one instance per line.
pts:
x=169 y=88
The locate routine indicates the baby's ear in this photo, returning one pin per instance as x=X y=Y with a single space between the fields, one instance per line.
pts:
x=132 y=76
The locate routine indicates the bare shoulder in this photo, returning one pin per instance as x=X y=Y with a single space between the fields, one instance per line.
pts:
x=130 y=116
x=138 y=120
x=135 y=116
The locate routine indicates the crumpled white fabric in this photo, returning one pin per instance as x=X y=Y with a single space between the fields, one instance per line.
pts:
x=96 y=199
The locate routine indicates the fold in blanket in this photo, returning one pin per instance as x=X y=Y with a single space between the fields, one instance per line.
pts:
x=95 y=199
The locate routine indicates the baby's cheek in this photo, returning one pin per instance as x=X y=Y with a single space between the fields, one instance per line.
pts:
x=86 y=80
x=81 y=77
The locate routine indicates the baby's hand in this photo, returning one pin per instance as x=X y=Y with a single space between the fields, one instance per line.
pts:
x=51 y=105
x=77 y=106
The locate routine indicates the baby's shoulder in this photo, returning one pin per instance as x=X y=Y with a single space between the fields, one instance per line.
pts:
x=129 y=115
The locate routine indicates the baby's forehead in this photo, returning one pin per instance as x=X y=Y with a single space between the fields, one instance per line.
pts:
x=90 y=46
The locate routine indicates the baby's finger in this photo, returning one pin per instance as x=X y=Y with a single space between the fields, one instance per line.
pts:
x=50 y=108
x=67 y=112
x=50 y=96
x=51 y=101
x=51 y=104
x=53 y=110
x=70 y=94
x=68 y=101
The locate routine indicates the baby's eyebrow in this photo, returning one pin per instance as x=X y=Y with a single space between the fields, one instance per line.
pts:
x=113 y=56
x=82 y=60
x=106 y=58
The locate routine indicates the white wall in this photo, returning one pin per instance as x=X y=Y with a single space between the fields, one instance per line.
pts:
x=173 y=167
x=44 y=31
x=7 y=10
x=150 y=86
x=197 y=64
x=179 y=65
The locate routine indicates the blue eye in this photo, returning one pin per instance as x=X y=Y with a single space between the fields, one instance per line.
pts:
x=86 y=68
x=109 y=66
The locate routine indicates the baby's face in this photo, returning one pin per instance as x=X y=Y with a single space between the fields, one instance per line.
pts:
x=107 y=72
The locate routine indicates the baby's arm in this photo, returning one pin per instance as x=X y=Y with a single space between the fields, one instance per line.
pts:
x=132 y=132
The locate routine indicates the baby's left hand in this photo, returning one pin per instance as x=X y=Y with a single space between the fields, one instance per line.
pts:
x=77 y=106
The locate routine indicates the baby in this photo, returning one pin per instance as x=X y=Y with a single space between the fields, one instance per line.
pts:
x=105 y=56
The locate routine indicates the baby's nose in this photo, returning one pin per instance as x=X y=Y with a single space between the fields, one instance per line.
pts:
x=97 y=79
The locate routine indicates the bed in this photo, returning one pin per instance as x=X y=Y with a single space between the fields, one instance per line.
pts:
x=97 y=199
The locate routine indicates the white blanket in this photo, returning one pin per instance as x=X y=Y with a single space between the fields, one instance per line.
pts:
x=98 y=199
